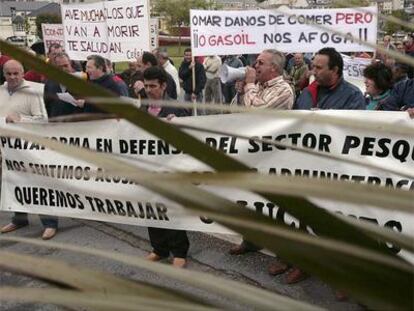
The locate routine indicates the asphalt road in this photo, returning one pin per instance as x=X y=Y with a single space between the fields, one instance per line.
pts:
x=207 y=254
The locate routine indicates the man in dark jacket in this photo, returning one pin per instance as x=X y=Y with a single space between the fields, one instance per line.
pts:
x=144 y=62
x=97 y=73
x=130 y=76
x=330 y=90
x=56 y=107
x=401 y=97
x=118 y=80
x=164 y=241
x=192 y=93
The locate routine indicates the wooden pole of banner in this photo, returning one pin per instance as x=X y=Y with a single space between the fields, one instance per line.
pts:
x=378 y=21
x=193 y=77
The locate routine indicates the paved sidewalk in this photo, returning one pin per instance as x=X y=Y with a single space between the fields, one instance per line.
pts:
x=207 y=253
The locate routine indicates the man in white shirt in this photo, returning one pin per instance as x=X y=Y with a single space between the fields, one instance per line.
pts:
x=20 y=101
x=169 y=68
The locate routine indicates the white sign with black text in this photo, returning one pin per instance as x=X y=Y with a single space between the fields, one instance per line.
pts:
x=117 y=30
x=42 y=181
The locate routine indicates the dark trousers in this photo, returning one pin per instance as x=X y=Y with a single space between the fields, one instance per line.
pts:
x=199 y=99
x=20 y=219
x=229 y=91
x=250 y=246
x=165 y=241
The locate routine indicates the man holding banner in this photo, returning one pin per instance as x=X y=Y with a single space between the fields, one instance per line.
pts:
x=188 y=68
x=271 y=91
x=328 y=91
x=164 y=241
x=24 y=103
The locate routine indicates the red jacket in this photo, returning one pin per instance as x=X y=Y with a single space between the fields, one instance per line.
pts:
x=34 y=76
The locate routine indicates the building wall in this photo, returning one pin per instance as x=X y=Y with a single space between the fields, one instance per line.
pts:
x=397 y=5
x=6 y=28
x=237 y=4
x=408 y=4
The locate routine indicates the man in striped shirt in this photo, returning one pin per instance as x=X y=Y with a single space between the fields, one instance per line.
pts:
x=264 y=86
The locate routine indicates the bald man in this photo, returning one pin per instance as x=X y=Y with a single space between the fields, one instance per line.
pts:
x=23 y=102
x=19 y=101
x=299 y=73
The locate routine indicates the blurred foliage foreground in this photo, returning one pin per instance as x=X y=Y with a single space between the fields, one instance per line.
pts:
x=346 y=254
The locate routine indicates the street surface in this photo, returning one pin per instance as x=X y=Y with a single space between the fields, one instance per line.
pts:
x=207 y=253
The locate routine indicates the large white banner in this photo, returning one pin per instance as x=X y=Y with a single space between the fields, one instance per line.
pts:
x=52 y=33
x=117 y=30
x=250 y=32
x=42 y=181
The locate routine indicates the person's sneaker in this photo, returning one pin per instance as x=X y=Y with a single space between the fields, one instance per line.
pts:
x=179 y=262
x=49 y=233
x=295 y=276
x=153 y=257
x=11 y=227
x=278 y=267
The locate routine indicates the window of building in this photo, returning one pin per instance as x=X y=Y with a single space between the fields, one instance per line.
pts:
x=19 y=27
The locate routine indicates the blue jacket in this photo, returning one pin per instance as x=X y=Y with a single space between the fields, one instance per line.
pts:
x=401 y=97
x=344 y=96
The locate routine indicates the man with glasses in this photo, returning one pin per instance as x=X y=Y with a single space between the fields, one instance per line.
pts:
x=264 y=86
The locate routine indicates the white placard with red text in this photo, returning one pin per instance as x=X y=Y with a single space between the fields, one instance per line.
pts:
x=52 y=33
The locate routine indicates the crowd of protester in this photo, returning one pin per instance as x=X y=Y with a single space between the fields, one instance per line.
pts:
x=272 y=80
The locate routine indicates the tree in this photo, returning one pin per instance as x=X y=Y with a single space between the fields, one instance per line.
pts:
x=350 y=3
x=46 y=19
x=177 y=12
x=391 y=27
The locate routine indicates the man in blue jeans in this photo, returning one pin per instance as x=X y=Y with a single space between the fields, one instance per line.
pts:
x=24 y=104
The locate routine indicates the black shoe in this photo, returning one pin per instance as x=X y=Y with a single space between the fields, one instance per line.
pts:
x=240 y=249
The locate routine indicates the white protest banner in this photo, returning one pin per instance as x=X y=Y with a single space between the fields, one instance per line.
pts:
x=354 y=67
x=154 y=33
x=117 y=30
x=52 y=33
x=42 y=181
x=354 y=70
x=250 y=32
